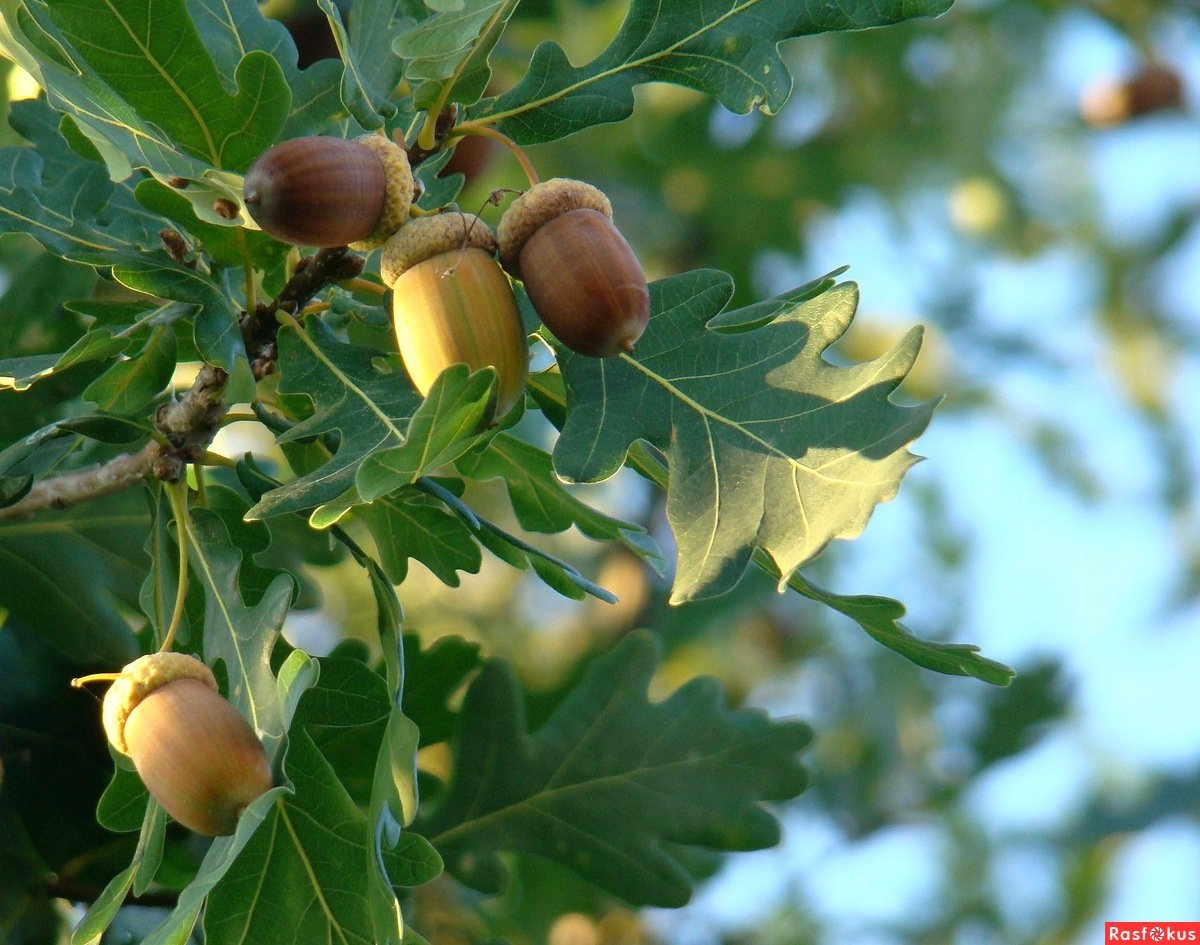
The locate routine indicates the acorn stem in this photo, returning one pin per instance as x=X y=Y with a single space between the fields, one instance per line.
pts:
x=359 y=284
x=80 y=681
x=177 y=496
x=486 y=131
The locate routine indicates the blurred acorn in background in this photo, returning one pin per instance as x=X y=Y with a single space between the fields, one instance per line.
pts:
x=1155 y=87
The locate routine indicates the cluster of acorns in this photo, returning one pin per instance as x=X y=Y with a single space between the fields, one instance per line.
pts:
x=451 y=300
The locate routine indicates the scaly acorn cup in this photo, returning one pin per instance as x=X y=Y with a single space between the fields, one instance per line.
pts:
x=196 y=754
x=452 y=304
x=584 y=281
x=323 y=191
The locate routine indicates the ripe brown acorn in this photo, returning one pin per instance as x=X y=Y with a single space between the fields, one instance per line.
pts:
x=452 y=304
x=196 y=754
x=583 y=279
x=323 y=191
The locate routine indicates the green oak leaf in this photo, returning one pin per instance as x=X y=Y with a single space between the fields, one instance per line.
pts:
x=150 y=54
x=768 y=445
x=598 y=786
x=515 y=551
x=64 y=572
x=371 y=71
x=410 y=524
x=312 y=863
x=878 y=616
x=454 y=44
x=240 y=636
x=96 y=345
x=67 y=203
x=727 y=49
x=229 y=30
x=72 y=209
x=434 y=676
x=387 y=434
x=128 y=386
x=541 y=502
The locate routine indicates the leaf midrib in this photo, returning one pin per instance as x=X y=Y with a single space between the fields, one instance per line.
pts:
x=534 y=800
x=628 y=65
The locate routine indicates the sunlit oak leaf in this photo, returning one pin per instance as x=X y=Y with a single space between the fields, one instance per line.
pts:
x=768 y=444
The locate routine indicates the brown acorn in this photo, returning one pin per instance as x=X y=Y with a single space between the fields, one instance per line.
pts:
x=1153 y=88
x=583 y=279
x=452 y=304
x=323 y=191
x=196 y=754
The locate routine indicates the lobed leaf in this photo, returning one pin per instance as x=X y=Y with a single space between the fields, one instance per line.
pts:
x=307 y=874
x=768 y=445
x=410 y=524
x=241 y=637
x=371 y=71
x=541 y=502
x=387 y=435
x=612 y=783
x=726 y=49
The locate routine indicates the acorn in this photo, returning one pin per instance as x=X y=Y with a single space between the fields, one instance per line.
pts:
x=196 y=754
x=1155 y=87
x=452 y=304
x=583 y=279
x=323 y=191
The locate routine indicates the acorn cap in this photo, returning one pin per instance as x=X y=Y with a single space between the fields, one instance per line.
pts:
x=399 y=195
x=425 y=237
x=540 y=204
x=139 y=679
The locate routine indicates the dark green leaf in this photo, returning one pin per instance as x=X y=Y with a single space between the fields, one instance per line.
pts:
x=409 y=524
x=97 y=345
x=149 y=52
x=228 y=30
x=32 y=320
x=122 y=806
x=556 y=573
x=239 y=636
x=371 y=412
x=434 y=677
x=599 y=787
x=541 y=502
x=371 y=73
x=728 y=50
x=62 y=570
x=769 y=446
x=303 y=875
x=218 y=337
x=108 y=428
x=129 y=386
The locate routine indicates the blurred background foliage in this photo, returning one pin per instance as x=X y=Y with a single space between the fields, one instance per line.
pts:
x=974 y=176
